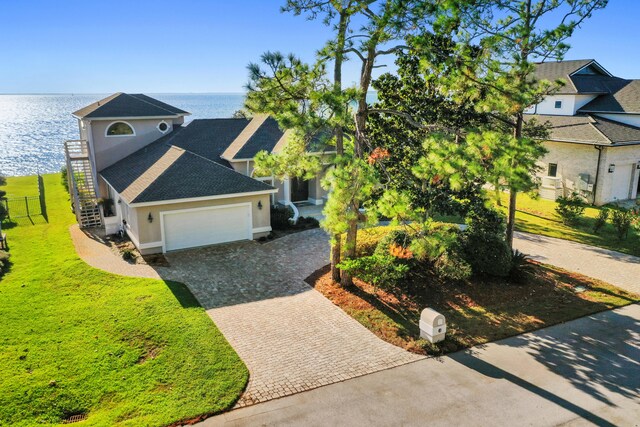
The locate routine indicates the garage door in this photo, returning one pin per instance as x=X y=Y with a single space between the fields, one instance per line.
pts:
x=206 y=226
x=622 y=182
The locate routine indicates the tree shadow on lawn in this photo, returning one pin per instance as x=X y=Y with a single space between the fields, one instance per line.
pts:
x=594 y=353
x=182 y=293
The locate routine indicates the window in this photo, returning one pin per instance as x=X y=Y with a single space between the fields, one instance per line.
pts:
x=558 y=104
x=120 y=129
x=553 y=169
x=163 y=126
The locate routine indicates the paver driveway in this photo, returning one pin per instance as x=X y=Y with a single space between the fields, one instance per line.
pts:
x=290 y=336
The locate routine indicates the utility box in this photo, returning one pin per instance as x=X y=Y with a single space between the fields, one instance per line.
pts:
x=433 y=325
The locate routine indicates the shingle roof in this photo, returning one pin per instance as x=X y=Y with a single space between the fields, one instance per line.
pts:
x=578 y=83
x=162 y=171
x=626 y=99
x=264 y=138
x=209 y=138
x=559 y=70
x=128 y=105
x=588 y=129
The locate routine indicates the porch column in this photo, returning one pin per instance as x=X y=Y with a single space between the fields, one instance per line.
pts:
x=287 y=190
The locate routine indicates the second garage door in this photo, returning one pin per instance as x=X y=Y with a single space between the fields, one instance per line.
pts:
x=206 y=226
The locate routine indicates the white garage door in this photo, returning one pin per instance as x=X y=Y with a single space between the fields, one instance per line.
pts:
x=622 y=181
x=206 y=226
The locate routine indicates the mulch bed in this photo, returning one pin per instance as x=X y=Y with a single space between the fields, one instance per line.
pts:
x=477 y=311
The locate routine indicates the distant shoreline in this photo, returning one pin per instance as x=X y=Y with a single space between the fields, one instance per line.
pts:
x=105 y=93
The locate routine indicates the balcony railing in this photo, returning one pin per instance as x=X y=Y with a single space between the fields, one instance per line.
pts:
x=77 y=149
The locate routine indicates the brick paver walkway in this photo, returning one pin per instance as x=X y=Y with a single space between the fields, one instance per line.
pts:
x=290 y=336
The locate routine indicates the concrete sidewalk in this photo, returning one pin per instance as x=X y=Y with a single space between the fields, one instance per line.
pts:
x=582 y=372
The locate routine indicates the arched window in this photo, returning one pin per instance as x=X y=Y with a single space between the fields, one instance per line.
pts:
x=120 y=129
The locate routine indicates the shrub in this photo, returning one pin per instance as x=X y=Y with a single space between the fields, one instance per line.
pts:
x=601 y=220
x=451 y=266
x=128 y=255
x=280 y=216
x=520 y=266
x=396 y=239
x=486 y=253
x=381 y=271
x=4 y=262
x=64 y=178
x=621 y=219
x=3 y=210
x=3 y=180
x=570 y=209
x=369 y=238
x=482 y=245
x=307 y=223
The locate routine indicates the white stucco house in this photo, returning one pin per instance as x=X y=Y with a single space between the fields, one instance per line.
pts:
x=169 y=185
x=594 y=141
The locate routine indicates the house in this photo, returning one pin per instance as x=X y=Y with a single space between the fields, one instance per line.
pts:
x=594 y=138
x=139 y=168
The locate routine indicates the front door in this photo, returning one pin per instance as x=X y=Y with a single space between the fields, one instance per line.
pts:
x=299 y=190
x=622 y=182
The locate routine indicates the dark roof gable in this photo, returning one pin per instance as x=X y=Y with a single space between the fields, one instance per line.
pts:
x=162 y=171
x=121 y=105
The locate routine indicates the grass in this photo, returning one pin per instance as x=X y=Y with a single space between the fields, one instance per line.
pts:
x=77 y=340
x=538 y=216
x=477 y=311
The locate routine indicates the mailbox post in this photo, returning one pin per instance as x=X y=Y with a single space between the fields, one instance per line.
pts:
x=433 y=325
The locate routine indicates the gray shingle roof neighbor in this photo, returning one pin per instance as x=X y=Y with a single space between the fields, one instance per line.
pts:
x=162 y=171
x=626 y=99
x=120 y=105
x=578 y=83
x=588 y=129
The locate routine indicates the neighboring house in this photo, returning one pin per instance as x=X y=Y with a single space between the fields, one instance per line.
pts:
x=594 y=140
x=139 y=168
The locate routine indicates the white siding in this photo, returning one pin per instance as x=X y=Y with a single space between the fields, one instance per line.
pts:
x=630 y=119
x=570 y=104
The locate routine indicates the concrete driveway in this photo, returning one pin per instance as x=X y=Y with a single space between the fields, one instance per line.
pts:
x=584 y=372
x=290 y=336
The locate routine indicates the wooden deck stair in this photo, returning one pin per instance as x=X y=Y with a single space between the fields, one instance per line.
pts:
x=81 y=184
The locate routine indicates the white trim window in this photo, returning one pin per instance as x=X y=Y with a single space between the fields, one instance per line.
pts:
x=163 y=127
x=119 y=128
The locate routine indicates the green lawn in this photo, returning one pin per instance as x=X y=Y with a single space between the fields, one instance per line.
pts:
x=74 y=339
x=539 y=217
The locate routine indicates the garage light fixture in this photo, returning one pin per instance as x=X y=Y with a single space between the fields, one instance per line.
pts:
x=150 y=218
x=260 y=204
x=612 y=168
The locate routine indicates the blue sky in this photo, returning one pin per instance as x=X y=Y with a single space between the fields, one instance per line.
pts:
x=70 y=46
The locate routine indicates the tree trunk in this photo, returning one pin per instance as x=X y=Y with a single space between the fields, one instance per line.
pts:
x=511 y=221
x=513 y=193
x=352 y=234
x=336 y=249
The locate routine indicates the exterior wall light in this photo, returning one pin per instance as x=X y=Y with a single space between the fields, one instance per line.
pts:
x=260 y=204
x=150 y=218
x=612 y=168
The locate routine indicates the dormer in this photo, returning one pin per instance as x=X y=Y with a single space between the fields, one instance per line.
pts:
x=585 y=80
x=122 y=123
